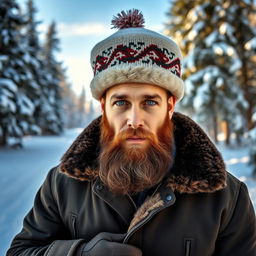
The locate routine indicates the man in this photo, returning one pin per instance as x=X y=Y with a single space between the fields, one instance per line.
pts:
x=141 y=179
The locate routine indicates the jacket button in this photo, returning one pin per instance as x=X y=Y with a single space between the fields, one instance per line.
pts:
x=168 y=198
x=99 y=187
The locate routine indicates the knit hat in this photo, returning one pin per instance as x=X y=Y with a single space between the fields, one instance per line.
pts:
x=136 y=55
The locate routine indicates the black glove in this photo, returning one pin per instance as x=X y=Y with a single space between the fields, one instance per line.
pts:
x=108 y=244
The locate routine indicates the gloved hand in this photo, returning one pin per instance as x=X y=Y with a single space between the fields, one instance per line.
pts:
x=108 y=244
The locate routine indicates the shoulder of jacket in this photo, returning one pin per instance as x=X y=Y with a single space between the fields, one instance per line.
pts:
x=59 y=184
x=233 y=183
x=233 y=191
x=58 y=178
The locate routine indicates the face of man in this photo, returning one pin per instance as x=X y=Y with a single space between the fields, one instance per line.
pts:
x=136 y=137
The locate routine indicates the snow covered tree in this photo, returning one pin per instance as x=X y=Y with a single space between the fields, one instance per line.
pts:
x=78 y=110
x=81 y=110
x=69 y=102
x=210 y=63
x=34 y=52
x=30 y=75
x=16 y=107
x=239 y=31
x=91 y=113
x=38 y=67
x=252 y=135
x=51 y=118
x=31 y=29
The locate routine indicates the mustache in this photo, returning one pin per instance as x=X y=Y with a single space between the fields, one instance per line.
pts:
x=138 y=132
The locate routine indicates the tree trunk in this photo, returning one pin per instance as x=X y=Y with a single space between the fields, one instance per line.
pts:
x=215 y=128
x=238 y=138
x=227 y=133
x=3 y=138
x=247 y=95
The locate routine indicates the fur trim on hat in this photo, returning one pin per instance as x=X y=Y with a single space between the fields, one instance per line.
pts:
x=137 y=74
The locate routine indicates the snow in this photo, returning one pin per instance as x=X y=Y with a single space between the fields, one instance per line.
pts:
x=8 y=84
x=200 y=97
x=236 y=65
x=251 y=45
x=7 y=104
x=223 y=48
x=3 y=57
x=219 y=82
x=254 y=117
x=26 y=107
x=14 y=129
x=24 y=169
x=212 y=38
x=27 y=58
x=227 y=29
x=252 y=133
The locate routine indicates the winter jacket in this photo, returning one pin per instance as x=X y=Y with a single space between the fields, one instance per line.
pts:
x=199 y=209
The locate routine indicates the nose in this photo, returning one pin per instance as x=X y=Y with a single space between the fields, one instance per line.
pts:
x=135 y=118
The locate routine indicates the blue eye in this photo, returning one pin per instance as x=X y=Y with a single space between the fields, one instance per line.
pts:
x=120 y=103
x=151 y=102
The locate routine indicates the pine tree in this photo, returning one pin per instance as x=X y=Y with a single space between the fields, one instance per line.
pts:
x=81 y=111
x=38 y=67
x=16 y=108
x=210 y=63
x=239 y=30
x=33 y=87
x=91 y=113
x=34 y=52
x=252 y=135
x=69 y=101
x=52 y=119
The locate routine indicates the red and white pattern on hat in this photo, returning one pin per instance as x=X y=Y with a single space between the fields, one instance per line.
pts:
x=139 y=53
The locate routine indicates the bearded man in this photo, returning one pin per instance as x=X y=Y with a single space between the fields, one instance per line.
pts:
x=141 y=179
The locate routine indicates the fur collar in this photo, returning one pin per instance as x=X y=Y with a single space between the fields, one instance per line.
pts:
x=198 y=165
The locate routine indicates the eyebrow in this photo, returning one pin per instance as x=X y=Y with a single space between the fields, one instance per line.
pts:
x=151 y=97
x=146 y=96
x=119 y=96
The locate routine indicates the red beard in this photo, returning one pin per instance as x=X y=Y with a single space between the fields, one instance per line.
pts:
x=129 y=170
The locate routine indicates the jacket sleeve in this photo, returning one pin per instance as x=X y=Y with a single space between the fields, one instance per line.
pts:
x=43 y=232
x=239 y=236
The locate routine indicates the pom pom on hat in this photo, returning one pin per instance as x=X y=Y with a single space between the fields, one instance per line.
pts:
x=134 y=54
x=130 y=19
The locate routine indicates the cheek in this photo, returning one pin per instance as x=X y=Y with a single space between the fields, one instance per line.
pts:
x=159 y=119
x=113 y=122
x=116 y=120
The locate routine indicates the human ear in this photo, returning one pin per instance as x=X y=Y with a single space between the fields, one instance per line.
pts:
x=171 y=106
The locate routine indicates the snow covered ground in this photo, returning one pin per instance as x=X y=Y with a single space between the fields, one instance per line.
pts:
x=23 y=170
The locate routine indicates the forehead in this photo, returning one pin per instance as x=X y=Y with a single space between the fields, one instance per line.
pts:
x=136 y=90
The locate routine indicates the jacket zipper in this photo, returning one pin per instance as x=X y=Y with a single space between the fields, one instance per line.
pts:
x=187 y=247
x=135 y=228
x=158 y=186
x=134 y=205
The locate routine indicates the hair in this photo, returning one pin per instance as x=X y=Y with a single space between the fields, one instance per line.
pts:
x=131 y=170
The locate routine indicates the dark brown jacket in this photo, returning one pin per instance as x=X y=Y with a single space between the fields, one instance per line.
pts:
x=198 y=210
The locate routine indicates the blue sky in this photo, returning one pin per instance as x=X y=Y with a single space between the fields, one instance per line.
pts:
x=83 y=23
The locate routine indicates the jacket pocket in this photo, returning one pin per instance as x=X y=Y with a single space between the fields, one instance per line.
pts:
x=73 y=224
x=189 y=244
